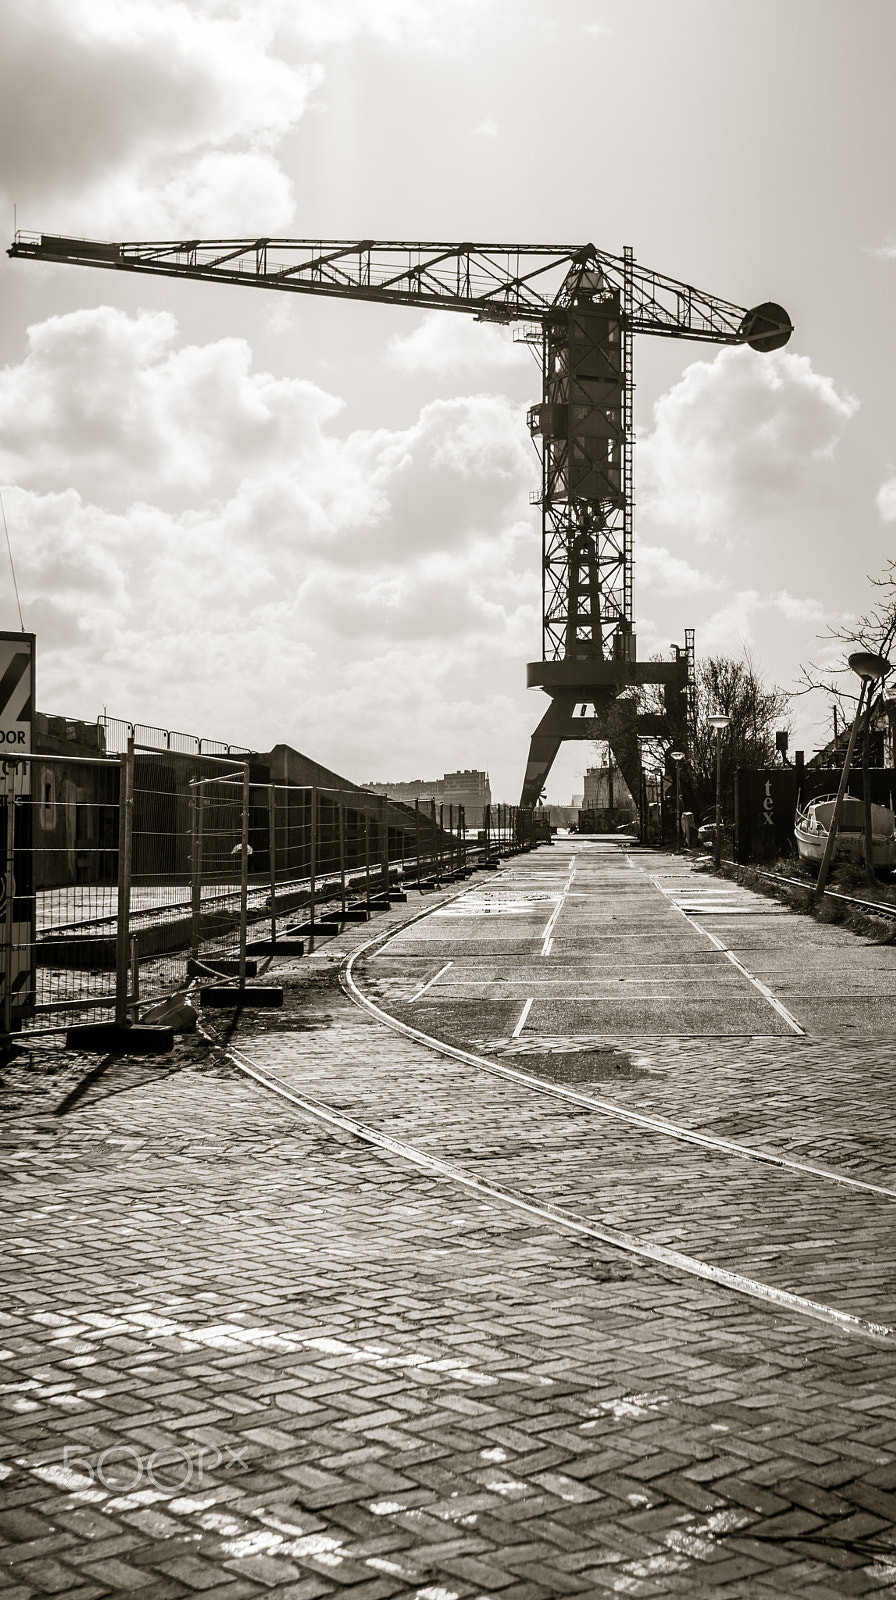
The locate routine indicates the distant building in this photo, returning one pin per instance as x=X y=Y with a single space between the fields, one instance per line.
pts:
x=470 y=789
x=561 y=816
x=607 y=790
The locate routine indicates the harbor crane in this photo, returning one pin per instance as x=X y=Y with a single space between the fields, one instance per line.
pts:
x=580 y=307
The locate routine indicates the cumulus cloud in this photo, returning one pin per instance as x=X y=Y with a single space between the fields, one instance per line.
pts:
x=114 y=402
x=197 y=545
x=800 y=608
x=754 y=619
x=738 y=436
x=152 y=116
x=886 y=500
x=659 y=570
x=455 y=344
x=401 y=23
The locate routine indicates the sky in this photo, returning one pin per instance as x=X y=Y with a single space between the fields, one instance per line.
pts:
x=269 y=517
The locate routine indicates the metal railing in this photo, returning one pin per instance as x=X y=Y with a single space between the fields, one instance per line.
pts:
x=117 y=731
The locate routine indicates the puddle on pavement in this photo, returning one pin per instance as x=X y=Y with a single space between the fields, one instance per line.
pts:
x=601 y=1270
x=586 y=1066
x=306 y=1023
x=558 y=1063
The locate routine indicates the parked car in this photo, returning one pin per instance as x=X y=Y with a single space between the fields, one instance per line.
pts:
x=706 y=832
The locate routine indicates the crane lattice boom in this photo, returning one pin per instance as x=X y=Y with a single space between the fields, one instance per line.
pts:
x=500 y=282
x=586 y=306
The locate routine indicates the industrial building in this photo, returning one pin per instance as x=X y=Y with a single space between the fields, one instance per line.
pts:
x=469 y=788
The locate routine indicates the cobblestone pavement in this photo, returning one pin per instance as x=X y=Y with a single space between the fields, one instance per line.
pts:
x=282 y=1361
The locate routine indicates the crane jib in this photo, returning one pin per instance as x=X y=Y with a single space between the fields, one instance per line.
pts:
x=497 y=282
x=584 y=307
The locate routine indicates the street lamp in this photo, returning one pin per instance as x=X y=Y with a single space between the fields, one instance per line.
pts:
x=869 y=668
x=644 y=742
x=720 y=722
x=677 y=756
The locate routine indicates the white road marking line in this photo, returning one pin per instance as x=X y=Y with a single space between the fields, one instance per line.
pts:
x=549 y=928
x=431 y=982
x=522 y=1020
x=607 y=1108
x=763 y=990
x=730 y=956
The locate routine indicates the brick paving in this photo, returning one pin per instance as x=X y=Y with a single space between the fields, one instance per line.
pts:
x=334 y=1374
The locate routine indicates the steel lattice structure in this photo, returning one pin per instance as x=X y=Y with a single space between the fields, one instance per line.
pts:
x=586 y=305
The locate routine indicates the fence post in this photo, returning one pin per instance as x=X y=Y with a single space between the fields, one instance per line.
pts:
x=135 y=978
x=462 y=836
x=9 y=891
x=436 y=843
x=272 y=856
x=367 y=855
x=244 y=874
x=341 y=820
x=417 y=834
x=384 y=842
x=125 y=859
x=488 y=829
x=195 y=867
x=312 y=868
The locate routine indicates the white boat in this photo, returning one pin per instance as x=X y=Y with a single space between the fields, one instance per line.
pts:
x=813 y=824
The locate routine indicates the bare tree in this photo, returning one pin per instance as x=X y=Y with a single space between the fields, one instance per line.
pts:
x=735 y=686
x=875 y=631
x=757 y=710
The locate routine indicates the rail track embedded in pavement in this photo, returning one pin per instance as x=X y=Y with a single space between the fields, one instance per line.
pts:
x=569 y=1220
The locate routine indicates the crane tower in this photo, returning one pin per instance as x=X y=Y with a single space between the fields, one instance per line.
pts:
x=582 y=307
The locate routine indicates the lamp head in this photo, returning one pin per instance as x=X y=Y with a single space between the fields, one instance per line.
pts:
x=867 y=665
x=719 y=721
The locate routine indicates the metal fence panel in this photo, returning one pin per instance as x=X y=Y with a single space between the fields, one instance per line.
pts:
x=121 y=870
x=59 y=818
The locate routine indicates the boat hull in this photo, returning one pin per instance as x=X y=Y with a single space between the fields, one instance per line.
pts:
x=811 y=832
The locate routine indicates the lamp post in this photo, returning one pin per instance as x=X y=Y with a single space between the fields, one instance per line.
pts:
x=677 y=756
x=873 y=669
x=643 y=799
x=868 y=666
x=720 y=722
x=868 y=669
